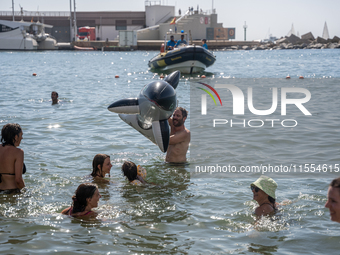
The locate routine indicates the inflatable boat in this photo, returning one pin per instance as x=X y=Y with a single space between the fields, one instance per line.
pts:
x=187 y=59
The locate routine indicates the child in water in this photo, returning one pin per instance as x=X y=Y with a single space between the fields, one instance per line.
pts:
x=134 y=174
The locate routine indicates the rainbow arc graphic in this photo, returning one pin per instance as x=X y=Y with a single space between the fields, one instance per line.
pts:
x=209 y=93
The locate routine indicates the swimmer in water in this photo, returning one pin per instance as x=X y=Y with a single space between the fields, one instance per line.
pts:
x=264 y=194
x=54 y=97
x=11 y=159
x=101 y=166
x=333 y=200
x=85 y=199
x=134 y=174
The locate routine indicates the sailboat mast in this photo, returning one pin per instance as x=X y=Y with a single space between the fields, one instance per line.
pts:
x=13 y=9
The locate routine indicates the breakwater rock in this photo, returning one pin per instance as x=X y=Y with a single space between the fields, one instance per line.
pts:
x=292 y=42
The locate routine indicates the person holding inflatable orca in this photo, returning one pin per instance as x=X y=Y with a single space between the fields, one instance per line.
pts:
x=150 y=111
x=179 y=137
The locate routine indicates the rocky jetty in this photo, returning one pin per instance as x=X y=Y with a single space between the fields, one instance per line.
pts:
x=307 y=41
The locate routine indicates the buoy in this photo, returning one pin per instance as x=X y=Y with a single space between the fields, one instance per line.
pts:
x=203 y=76
x=287 y=77
x=34 y=74
x=161 y=76
x=301 y=77
x=116 y=76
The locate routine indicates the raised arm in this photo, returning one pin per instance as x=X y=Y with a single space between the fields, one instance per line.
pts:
x=179 y=137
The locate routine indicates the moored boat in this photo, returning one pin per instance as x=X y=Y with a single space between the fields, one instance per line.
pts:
x=21 y=35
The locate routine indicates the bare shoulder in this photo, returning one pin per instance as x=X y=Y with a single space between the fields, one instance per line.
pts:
x=19 y=153
x=66 y=211
x=15 y=150
x=187 y=133
x=264 y=210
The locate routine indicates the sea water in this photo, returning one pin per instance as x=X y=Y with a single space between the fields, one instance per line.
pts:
x=181 y=213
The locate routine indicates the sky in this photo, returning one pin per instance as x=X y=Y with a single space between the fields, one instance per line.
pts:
x=263 y=17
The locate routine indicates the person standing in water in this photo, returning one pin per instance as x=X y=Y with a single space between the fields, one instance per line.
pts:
x=11 y=159
x=179 y=137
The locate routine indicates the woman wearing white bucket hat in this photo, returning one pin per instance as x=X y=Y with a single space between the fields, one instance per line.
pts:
x=264 y=194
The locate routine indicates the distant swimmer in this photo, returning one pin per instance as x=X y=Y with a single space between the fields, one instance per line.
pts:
x=333 y=200
x=101 y=165
x=54 y=97
x=182 y=41
x=264 y=194
x=11 y=159
x=135 y=174
x=204 y=43
x=179 y=137
x=85 y=199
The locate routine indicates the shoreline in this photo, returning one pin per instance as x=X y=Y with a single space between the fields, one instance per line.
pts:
x=216 y=45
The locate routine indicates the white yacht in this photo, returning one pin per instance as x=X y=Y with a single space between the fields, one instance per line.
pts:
x=21 y=35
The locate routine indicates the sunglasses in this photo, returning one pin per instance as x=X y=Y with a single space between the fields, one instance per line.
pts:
x=255 y=188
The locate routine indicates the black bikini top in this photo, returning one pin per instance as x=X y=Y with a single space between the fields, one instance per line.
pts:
x=23 y=171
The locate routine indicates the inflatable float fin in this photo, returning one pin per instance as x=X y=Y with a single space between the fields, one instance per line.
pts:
x=173 y=79
x=161 y=133
x=126 y=106
x=158 y=133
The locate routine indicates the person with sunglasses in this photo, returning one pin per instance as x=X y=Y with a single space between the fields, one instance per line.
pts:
x=264 y=194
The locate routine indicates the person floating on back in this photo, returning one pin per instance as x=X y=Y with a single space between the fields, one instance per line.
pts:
x=134 y=174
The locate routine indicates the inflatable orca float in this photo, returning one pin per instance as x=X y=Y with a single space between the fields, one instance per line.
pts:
x=149 y=112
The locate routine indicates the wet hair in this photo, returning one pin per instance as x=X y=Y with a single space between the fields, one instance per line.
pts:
x=98 y=160
x=184 y=111
x=8 y=133
x=272 y=201
x=55 y=92
x=335 y=183
x=129 y=170
x=83 y=192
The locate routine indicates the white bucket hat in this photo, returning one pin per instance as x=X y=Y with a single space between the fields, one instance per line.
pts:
x=267 y=185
